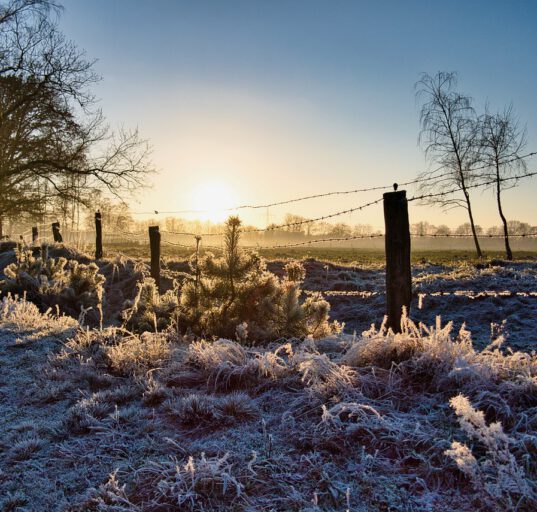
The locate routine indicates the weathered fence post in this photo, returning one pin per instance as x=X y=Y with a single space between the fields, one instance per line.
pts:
x=98 y=236
x=35 y=234
x=154 y=244
x=397 y=242
x=56 y=232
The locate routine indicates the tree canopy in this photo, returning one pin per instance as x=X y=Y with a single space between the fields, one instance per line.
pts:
x=54 y=140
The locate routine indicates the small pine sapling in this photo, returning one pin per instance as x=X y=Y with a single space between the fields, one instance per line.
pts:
x=234 y=296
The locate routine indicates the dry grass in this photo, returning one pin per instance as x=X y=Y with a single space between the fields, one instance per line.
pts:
x=414 y=421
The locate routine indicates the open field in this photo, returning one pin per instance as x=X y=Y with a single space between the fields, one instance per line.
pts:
x=364 y=420
x=234 y=277
x=343 y=255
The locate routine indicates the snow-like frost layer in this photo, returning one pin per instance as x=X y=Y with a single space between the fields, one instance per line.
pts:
x=114 y=422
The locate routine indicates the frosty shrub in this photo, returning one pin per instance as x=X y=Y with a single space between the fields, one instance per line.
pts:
x=321 y=375
x=497 y=475
x=149 y=311
x=21 y=315
x=234 y=296
x=435 y=357
x=72 y=287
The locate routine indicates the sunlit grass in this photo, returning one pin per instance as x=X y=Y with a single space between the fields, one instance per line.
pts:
x=334 y=254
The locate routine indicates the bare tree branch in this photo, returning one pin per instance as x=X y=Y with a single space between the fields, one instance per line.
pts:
x=449 y=137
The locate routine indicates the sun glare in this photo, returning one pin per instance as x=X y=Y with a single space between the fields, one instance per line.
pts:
x=213 y=200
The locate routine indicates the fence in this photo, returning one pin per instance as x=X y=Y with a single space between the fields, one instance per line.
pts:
x=397 y=235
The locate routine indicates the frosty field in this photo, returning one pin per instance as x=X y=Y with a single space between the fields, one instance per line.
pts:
x=436 y=418
x=234 y=277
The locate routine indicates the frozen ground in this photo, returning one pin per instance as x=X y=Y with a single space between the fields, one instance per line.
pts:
x=109 y=421
x=477 y=295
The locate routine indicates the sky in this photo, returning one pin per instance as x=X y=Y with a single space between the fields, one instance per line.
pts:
x=249 y=102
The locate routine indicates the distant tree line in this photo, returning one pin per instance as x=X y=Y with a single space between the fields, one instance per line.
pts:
x=515 y=227
x=117 y=219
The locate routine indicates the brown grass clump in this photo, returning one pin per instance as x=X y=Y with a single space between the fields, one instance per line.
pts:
x=137 y=354
x=197 y=410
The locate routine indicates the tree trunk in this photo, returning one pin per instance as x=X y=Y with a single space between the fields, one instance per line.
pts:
x=474 y=233
x=466 y=194
x=508 y=251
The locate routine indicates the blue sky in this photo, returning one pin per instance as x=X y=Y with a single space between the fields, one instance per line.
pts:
x=252 y=101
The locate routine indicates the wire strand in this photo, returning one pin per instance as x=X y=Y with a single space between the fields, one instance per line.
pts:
x=336 y=193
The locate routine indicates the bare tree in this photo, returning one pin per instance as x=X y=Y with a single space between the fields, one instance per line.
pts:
x=449 y=136
x=296 y=227
x=423 y=228
x=52 y=138
x=443 y=230
x=502 y=141
x=467 y=229
x=362 y=230
x=341 y=230
x=115 y=215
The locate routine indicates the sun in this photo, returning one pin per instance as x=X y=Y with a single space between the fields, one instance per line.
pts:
x=213 y=201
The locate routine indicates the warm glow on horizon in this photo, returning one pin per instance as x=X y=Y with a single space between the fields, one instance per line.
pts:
x=212 y=201
x=278 y=112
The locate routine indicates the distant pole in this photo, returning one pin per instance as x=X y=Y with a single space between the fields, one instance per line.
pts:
x=398 y=271
x=197 y=261
x=154 y=245
x=56 y=232
x=98 y=236
x=35 y=234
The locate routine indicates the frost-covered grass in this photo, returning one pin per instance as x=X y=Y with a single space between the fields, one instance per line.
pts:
x=24 y=316
x=474 y=293
x=112 y=421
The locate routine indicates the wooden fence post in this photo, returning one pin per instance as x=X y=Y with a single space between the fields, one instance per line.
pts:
x=56 y=232
x=98 y=236
x=154 y=244
x=398 y=271
x=35 y=234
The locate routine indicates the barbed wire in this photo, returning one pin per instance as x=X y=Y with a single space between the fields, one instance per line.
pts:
x=321 y=240
x=309 y=221
x=381 y=235
x=168 y=242
x=283 y=225
x=480 y=167
x=337 y=192
x=344 y=239
x=135 y=237
x=186 y=233
x=476 y=185
x=125 y=233
x=132 y=236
